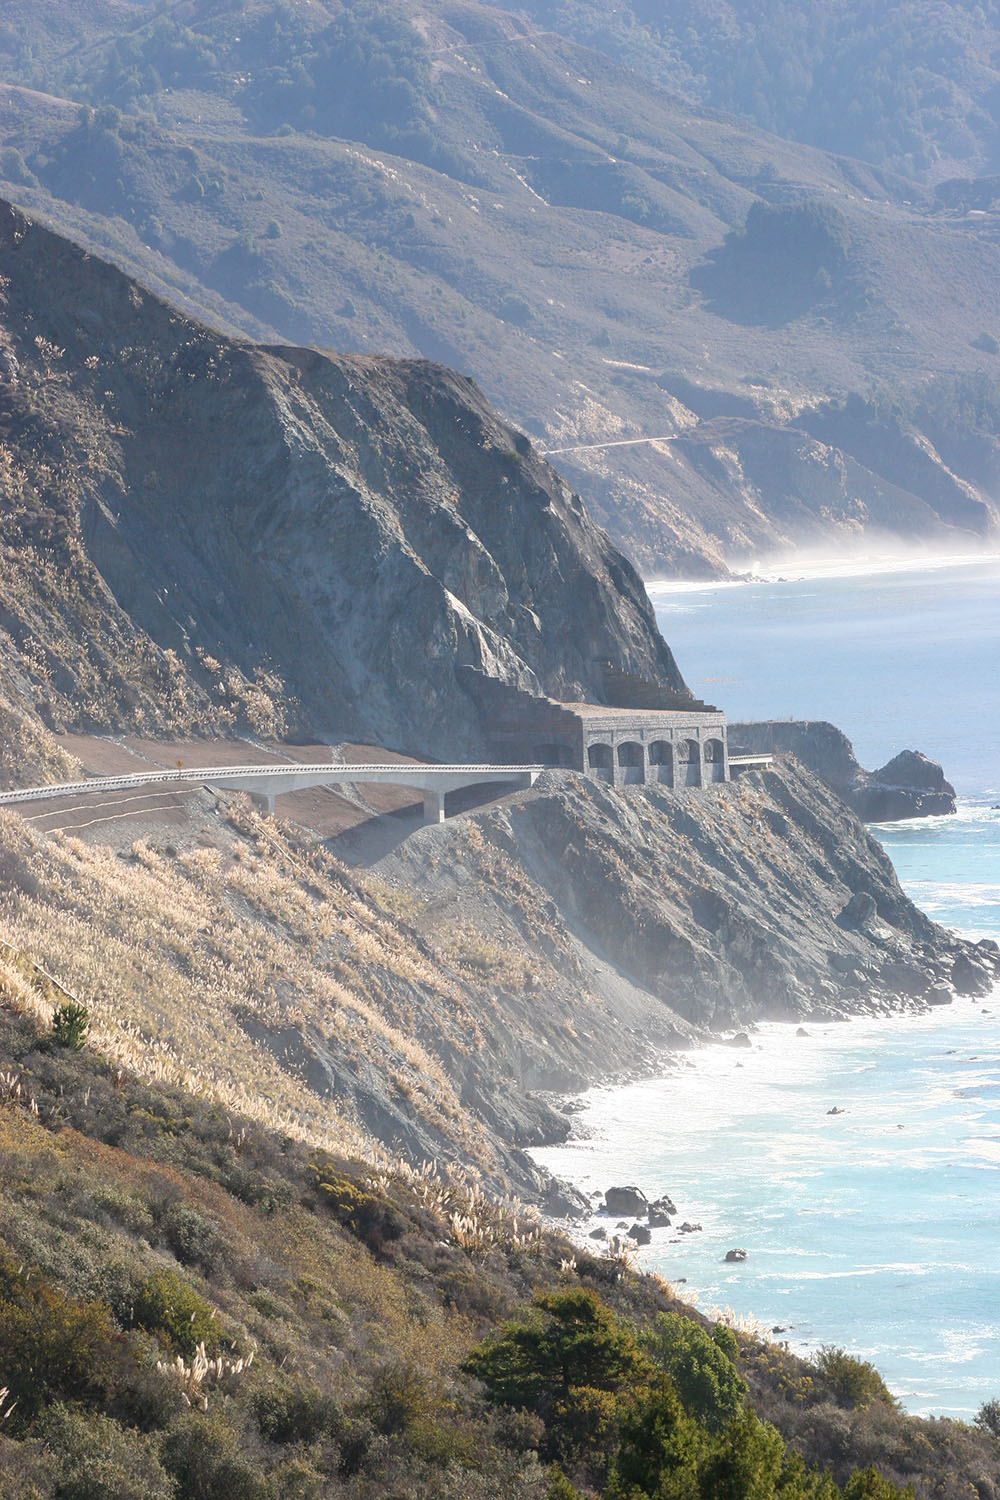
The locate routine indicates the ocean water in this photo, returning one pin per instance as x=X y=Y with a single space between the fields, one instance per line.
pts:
x=876 y=1228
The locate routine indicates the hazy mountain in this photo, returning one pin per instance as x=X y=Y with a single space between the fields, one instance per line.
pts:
x=609 y=260
x=911 y=86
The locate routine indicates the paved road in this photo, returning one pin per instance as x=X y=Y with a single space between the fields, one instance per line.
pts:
x=264 y=783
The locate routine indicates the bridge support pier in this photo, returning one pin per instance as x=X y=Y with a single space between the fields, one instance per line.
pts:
x=263 y=803
x=433 y=806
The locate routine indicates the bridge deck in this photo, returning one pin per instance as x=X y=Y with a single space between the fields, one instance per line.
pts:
x=264 y=783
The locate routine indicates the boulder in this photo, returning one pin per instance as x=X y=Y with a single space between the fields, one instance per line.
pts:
x=940 y=994
x=859 y=910
x=598 y=1234
x=658 y=1219
x=640 y=1234
x=663 y=1205
x=625 y=1200
x=970 y=977
x=687 y=1228
x=735 y=1255
x=901 y=977
x=739 y=1040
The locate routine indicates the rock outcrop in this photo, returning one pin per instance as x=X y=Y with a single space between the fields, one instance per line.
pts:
x=908 y=786
x=203 y=531
x=679 y=912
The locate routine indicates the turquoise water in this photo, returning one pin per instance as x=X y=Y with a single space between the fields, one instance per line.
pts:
x=877 y=1228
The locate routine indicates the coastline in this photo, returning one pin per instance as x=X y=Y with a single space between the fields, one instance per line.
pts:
x=799 y=567
x=751 y=1147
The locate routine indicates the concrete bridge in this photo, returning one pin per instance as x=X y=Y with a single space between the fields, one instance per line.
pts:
x=264 y=783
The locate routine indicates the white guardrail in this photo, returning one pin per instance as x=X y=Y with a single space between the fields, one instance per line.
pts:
x=205 y=775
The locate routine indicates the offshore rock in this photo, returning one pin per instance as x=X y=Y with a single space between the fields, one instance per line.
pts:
x=908 y=786
x=625 y=1200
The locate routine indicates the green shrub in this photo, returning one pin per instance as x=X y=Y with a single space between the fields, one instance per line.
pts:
x=869 y=1484
x=744 y=1460
x=296 y=1412
x=70 y=1025
x=726 y=1340
x=987 y=1418
x=194 y=1239
x=853 y=1382
x=572 y=1340
x=660 y=1448
x=50 y=1345
x=100 y=1460
x=167 y=1307
x=703 y=1376
x=203 y=1455
x=372 y=1219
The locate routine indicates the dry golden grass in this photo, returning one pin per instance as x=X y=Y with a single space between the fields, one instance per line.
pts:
x=182 y=961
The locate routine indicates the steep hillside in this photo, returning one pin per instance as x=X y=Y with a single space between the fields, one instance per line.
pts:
x=911 y=86
x=201 y=531
x=456 y=181
x=195 y=1306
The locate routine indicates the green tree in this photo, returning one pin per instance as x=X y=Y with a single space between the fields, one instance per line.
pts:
x=869 y=1484
x=745 y=1461
x=702 y=1374
x=70 y=1025
x=573 y=1339
x=854 y=1382
x=660 y=1449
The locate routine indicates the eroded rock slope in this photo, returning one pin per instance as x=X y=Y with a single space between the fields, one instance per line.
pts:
x=202 y=531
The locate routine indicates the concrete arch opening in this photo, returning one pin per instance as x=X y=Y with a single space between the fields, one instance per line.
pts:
x=554 y=754
x=661 y=760
x=632 y=760
x=715 y=760
x=689 y=763
x=599 y=761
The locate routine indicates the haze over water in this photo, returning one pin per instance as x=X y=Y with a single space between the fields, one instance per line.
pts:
x=878 y=1228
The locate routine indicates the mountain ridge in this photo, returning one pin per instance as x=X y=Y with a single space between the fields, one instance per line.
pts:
x=541 y=218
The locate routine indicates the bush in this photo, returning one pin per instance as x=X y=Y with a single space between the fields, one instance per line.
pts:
x=372 y=1219
x=70 y=1025
x=50 y=1346
x=573 y=1340
x=987 y=1418
x=167 y=1307
x=703 y=1376
x=853 y=1382
x=298 y=1412
x=203 y=1455
x=100 y=1460
x=869 y=1484
x=660 y=1448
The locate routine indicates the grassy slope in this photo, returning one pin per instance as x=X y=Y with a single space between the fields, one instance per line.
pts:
x=136 y=1220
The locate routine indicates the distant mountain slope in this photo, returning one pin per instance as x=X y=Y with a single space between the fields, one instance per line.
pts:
x=457 y=181
x=200 y=531
x=911 y=86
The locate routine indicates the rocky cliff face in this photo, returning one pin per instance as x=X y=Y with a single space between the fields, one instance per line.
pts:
x=672 y=910
x=202 y=530
x=907 y=786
